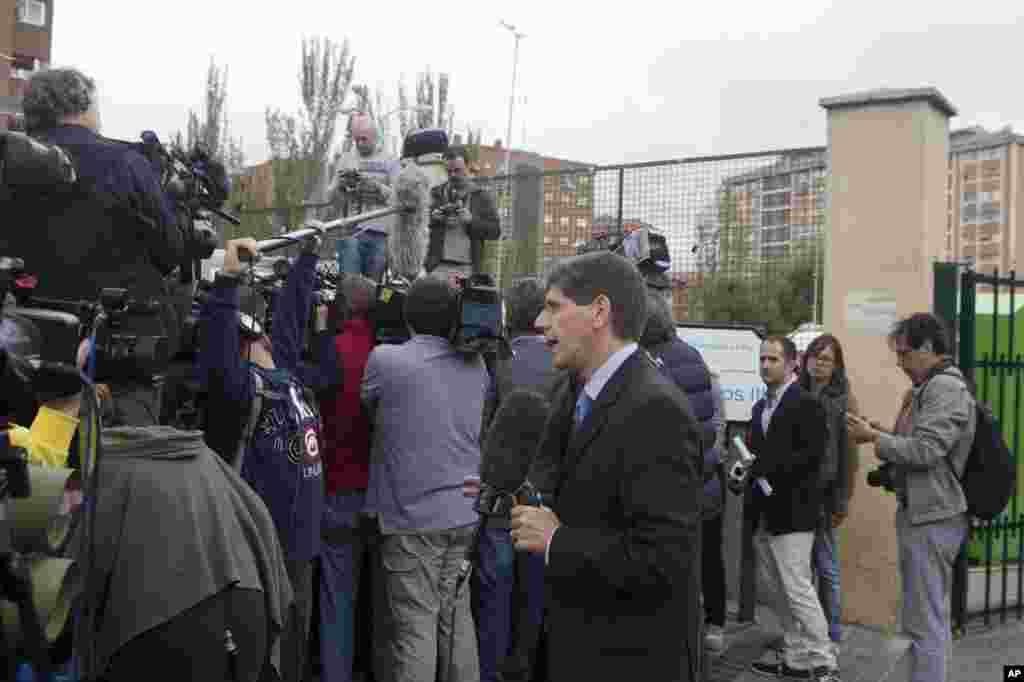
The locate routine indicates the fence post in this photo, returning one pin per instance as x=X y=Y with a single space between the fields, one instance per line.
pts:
x=965 y=346
x=622 y=190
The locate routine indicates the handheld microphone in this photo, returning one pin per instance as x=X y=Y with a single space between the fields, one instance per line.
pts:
x=508 y=452
x=408 y=242
x=739 y=470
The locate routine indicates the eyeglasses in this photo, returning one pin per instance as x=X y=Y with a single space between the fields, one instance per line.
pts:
x=824 y=360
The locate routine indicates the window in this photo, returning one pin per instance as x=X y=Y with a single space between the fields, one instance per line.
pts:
x=548 y=220
x=22 y=68
x=549 y=197
x=991 y=211
x=563 y=222
x=32 y=12
x=581 y=223
x=970 y=197
x=775 y=218
x=566 y=199
x=779 y=200
x=775 y=182
x=564 y=241
x=547 y=240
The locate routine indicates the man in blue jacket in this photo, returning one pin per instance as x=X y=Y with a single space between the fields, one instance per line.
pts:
x=265 y=423
x=682 y=363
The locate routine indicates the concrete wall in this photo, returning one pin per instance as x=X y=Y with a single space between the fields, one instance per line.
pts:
x=886 y=225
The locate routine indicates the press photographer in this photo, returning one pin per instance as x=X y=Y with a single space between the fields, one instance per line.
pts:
x=113 y=226
x=463 y=215
x=365 y=182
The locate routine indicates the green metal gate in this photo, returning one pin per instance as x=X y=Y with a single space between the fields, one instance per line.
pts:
x=984 y=311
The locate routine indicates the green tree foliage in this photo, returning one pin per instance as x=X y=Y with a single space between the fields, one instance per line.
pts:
x=744 y=287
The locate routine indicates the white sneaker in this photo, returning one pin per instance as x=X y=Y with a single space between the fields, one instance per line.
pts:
x=714 y=638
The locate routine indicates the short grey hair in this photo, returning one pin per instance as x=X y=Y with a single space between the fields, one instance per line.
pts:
x=53 y=94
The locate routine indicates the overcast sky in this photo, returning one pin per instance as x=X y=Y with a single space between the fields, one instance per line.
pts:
x=603 y=83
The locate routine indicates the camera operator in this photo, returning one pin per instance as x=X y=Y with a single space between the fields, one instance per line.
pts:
x=150 y=478
x=463 y=215
x=113 y=228
x=424 y=400
x=265 y=422
x=365 y=182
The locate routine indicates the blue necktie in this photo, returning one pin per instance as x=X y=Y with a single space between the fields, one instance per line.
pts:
x=583 y=405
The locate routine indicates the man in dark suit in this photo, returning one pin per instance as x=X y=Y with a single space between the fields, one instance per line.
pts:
x=787 y=435
x=620 y=469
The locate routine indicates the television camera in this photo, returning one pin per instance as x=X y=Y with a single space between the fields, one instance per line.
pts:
x=199 y=185
x=37 y=576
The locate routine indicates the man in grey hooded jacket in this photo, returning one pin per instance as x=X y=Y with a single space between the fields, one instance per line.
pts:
x=926 y=455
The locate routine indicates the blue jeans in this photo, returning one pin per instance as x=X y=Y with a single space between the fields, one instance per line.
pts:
x=825 y=561
x=365 y=253
x=340 y=559
x=492 y=600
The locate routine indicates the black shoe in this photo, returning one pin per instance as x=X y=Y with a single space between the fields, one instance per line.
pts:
x=779 y=670
x=824 y=674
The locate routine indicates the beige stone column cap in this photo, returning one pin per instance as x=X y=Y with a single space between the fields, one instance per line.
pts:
x=890 y=96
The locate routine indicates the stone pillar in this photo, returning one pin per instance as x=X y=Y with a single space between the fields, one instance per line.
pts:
x=888 y=154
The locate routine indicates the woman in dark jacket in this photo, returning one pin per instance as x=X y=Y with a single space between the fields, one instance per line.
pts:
x=824 y=375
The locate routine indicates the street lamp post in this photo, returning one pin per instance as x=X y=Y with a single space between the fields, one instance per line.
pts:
x=508 y=138
x=512 y=97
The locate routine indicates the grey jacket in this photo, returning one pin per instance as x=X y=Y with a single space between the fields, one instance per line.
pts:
x=943 y=421
x=174 y=526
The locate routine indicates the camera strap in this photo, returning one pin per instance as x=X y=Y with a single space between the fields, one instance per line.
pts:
x=250 y=426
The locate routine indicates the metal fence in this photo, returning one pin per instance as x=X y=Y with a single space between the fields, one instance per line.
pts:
x=988 y=579
x=743 y=230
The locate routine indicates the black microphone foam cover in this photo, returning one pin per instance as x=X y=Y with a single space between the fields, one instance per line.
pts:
x=513 y=440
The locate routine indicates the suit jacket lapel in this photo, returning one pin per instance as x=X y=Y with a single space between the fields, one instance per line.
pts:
x=789 y=396
x=599 y=412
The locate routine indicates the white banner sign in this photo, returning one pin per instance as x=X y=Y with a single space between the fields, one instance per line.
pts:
x=735 y=355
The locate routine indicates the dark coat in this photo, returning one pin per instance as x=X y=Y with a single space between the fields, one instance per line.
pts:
x=683 y=364
x=623 y=570
x=789 y=457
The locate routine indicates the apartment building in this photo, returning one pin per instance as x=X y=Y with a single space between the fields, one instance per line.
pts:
x=26 y=29
x=984 y=189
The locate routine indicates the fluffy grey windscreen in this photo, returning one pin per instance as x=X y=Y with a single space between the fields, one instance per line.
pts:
x=408 y=242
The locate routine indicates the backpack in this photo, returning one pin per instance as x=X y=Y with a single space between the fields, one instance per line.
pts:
x=990 y=476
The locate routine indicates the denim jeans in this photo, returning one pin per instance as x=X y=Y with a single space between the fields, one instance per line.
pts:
x=340 y=559
x=365 y=253
x=492 y=600
x=825 y=560
x=927 y=554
